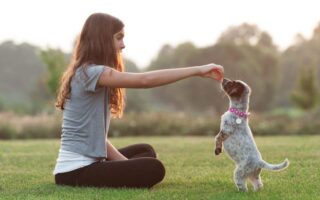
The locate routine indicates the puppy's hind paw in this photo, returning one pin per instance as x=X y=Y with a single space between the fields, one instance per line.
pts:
x=217 y=151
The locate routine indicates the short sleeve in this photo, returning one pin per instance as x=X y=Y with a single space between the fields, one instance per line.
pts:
x=92 y=76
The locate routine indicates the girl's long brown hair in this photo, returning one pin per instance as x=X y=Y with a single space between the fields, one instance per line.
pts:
x=95 y=45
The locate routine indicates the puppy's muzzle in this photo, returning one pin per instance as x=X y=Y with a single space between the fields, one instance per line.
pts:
x=225 y=81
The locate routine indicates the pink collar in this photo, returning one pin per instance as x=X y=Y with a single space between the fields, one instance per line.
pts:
x=239 y=112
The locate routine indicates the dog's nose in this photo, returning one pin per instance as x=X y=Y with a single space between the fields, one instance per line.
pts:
x=225 y=81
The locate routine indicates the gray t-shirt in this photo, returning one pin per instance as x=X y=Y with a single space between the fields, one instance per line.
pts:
x=86 y=114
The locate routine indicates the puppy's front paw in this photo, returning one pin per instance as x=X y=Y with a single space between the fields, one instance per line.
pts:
x=217 y=151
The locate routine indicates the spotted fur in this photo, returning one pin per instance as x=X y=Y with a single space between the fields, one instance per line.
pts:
x=238 y=141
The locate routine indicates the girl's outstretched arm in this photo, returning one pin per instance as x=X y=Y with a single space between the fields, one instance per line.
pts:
x=113 y=78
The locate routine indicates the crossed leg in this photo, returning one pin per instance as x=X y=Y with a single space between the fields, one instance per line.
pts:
x=142 y=170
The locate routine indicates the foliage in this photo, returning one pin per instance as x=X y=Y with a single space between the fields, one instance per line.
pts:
x=302 y=54
x=20 y=71
x=13 y=126
x=306 y=96
x=284 y=122
x=56 y=64
x=246 y=34
x=246 y=52
x=136 y=100
x=163 y=124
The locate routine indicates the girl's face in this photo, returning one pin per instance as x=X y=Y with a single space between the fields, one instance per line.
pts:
x=118 y=40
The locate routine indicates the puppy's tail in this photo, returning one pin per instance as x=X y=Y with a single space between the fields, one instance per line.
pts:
x=280 y=166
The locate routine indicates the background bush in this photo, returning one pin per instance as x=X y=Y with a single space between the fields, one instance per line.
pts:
x=279 y=122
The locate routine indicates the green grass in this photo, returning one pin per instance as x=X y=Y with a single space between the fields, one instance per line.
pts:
x=192 y=171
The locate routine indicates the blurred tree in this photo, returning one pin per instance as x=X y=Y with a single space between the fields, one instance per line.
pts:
x=20 y=70
x=136 y=100
x=306 y=95
x=316 y=33
x=174 y=96
x=56 y=63
x=265 y=41
x=2 y=106
x=299 y=40
x=315 y=40
x=246 y=52
x=249 y=54
x=240 y=35
x=164 y=59
x=247 y=34
x=304 y=52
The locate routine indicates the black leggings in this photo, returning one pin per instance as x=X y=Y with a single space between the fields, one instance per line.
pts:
x=142 y=170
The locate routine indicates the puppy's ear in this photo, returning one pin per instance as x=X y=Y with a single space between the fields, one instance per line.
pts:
x=237 y=91
x=241 y=89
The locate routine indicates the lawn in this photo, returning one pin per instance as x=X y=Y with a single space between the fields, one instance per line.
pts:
x=192 y=170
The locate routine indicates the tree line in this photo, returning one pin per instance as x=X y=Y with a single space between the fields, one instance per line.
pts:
x=29 y=76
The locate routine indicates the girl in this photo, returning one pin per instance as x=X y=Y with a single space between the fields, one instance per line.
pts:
x=91 y=92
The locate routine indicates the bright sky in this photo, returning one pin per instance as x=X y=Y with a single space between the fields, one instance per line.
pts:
x=151 y=23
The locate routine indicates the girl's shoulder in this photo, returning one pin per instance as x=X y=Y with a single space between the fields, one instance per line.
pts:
x=89 y=70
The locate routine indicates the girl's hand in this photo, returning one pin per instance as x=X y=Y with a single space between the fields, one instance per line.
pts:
x=213 y=71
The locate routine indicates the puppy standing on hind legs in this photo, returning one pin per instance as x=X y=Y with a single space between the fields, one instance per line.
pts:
x=236 y=138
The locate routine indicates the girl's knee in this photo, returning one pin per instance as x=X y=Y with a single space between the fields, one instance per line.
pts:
x=157 y=169
x=149 y=149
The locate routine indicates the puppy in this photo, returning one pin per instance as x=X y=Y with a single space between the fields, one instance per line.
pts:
x=236 y=137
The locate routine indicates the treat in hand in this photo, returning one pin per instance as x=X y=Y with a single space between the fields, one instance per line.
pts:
x=217 y=74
